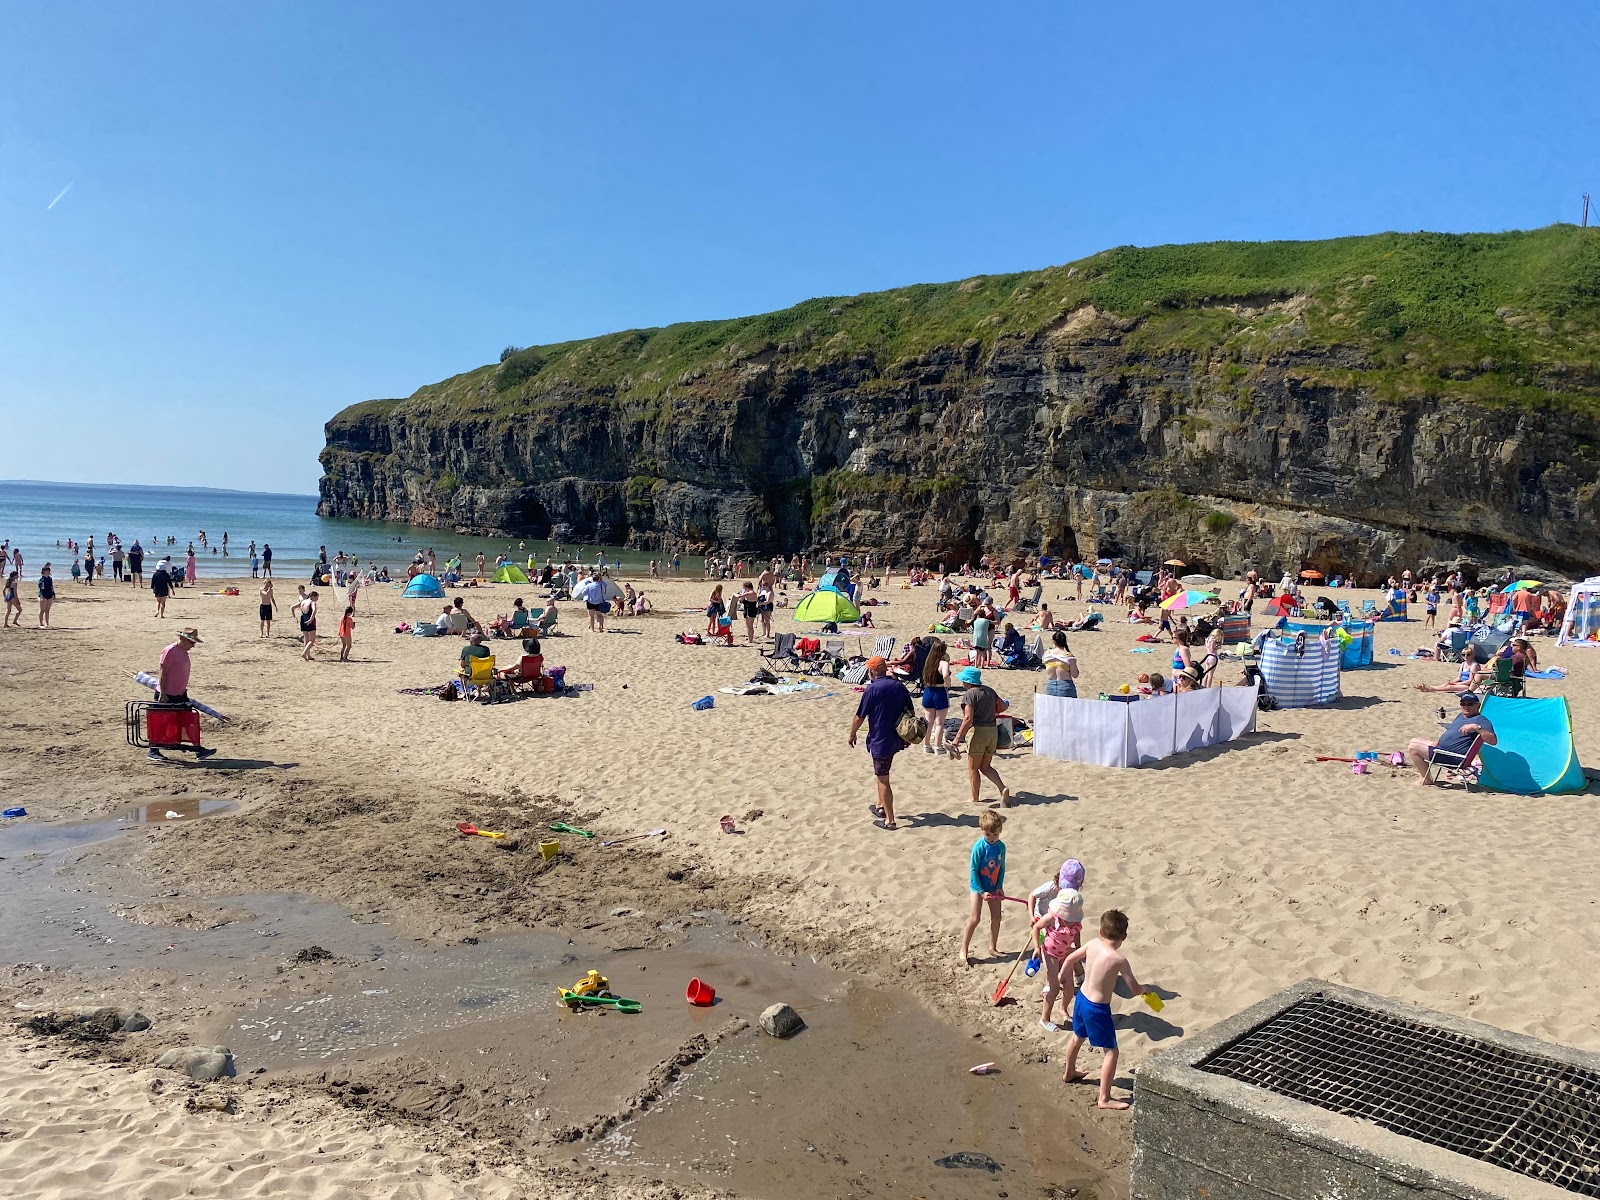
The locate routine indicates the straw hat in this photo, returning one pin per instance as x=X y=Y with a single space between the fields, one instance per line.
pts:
x=190 y=634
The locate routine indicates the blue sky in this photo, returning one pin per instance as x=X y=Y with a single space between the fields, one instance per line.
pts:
x=279 y=209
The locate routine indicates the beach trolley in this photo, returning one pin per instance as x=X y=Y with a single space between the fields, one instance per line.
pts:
x=155 y=726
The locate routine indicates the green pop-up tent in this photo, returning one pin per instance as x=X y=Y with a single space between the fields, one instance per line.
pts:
x=510 y=573
x=825 y=604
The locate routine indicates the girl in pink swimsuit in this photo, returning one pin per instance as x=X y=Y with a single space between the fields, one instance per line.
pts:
x=1062 y=924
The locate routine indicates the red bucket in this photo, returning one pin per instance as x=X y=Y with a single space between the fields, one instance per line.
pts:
x=701 y=995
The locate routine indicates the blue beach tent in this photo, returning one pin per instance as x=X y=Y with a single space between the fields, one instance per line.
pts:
x=1533 y=750
x=424 y=587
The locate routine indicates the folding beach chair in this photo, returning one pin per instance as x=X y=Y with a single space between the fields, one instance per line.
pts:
x=481 y=677
x=1454 y=644
x=782 y=648
x=1369 y=609
x=1343 y=606
x=1504 y=682
x=1455 y=768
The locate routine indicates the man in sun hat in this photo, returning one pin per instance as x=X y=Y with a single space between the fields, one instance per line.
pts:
x=172 y=682
x=173 y=679
x=883 y=703
x=980 y=707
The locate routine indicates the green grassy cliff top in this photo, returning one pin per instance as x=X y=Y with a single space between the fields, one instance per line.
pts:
x=1503 y=308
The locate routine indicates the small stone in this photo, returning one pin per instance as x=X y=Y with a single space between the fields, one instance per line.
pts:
x=199 y=1062
x=621 y=911
x=223 y=1102
x=781 y=1021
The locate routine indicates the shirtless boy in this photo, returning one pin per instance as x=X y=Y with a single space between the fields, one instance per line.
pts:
x=1102 y=963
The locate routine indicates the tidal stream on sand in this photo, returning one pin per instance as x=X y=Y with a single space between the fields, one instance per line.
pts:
x=873 y=1098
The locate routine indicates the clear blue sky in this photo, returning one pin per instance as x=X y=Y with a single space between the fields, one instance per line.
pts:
x=277 y=209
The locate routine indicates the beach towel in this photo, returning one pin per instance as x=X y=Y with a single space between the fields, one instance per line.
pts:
x=1548 y=673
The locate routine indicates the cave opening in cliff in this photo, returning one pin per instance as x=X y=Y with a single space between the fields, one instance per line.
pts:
x=532 y=518
x=1063 y=545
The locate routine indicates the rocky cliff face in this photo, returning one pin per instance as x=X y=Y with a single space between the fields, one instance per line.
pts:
x=1260 y=444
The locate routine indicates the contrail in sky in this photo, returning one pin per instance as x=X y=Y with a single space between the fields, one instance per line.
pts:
x=59 y=194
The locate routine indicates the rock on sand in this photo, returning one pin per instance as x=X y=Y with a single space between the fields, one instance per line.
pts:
x=781 y=1021
x=199 y=1062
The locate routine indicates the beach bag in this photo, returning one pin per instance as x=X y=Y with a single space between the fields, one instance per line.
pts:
x=911 y=728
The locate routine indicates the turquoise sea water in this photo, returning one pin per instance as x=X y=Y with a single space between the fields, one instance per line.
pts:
x=41 y=517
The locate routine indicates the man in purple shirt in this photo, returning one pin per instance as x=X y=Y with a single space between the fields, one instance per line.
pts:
x=882 y=704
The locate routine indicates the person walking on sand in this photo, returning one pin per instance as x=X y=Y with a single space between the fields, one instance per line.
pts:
x=13 y=599
x=1103 y=964
x=347 y=632
x=268 y=603
x=883 y=703
x=172 y=681
x=935 y=695
x=266 y=560
x=47 y=595
x=980 y=707
x=161 y=587
x=308 y=625
x=986 y=884
x=188 y=567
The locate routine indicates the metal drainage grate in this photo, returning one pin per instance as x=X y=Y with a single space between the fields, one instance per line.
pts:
x=1529 y=1114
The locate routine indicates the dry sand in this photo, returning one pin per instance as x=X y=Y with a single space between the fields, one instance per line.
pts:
x=1242 y=868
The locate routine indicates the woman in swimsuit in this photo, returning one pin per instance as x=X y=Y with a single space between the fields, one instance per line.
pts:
x=747 y=609
x=714 y=609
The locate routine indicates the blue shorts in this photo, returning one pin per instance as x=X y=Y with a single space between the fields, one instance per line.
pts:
x=1093 y=1022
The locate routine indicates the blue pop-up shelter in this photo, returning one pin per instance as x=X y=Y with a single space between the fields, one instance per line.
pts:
x=424 y=587
x=1533 y=750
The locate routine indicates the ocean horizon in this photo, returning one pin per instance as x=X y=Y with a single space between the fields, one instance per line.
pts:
x=39 y=516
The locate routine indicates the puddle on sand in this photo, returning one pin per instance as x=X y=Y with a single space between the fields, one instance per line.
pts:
x=864 y=1102
x=49 y=919
x=873 y=1098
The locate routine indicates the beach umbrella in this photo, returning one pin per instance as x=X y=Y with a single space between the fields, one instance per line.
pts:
x=1198 y=580
x=1175 y=562
x=1308 y=574
x=1188 y=599
x=825 y=604
x=1523 y=585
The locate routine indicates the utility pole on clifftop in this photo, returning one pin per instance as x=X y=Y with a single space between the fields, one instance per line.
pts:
x=1585 y=224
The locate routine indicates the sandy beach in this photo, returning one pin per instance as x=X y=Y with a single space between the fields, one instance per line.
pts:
x=1242 y=868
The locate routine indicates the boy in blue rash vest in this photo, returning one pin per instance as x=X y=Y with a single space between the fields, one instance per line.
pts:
x=1103 y=965
x=987 y=883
